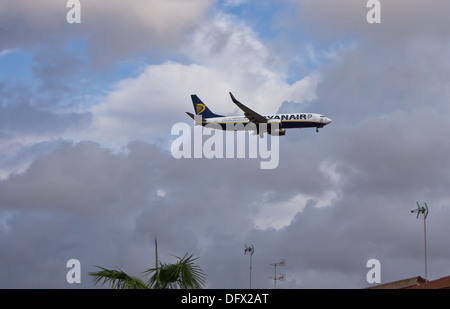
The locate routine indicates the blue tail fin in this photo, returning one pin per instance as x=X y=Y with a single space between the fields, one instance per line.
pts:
x=201 y=109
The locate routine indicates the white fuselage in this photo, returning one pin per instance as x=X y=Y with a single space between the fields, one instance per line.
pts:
x=287 y=121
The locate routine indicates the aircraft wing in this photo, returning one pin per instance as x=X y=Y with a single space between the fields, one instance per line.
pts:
x=249 y=113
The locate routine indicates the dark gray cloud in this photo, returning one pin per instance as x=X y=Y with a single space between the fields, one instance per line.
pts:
x=121 y=29
x=327 y=20
x=82 y=201
x=24 y=113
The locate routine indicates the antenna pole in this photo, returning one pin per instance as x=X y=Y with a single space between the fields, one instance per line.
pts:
x=250 y=250
x=423 y=211
x=282 y=262
x=425 y=243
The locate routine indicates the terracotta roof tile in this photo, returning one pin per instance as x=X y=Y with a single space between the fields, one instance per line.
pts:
x=442 y=283
x=400 y=284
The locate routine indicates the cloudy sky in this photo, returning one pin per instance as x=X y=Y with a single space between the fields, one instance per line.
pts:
x=87 y=109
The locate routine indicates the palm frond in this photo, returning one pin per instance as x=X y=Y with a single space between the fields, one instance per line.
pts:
x=191 y=275
x=117 y=279
x=184 y=274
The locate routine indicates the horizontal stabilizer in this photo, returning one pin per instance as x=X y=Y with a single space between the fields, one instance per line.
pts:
x=197 y=118
x=190 y=115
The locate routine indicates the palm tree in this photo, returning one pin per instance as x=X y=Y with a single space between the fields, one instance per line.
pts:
x=184 y=274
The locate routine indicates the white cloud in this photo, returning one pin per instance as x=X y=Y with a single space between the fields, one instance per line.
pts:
x=227 y=56
x=161 y=193
x=281 y=213
x=276 y=212
x=5 y=52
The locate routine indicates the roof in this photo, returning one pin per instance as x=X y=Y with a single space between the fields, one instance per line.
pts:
x=401 y=284
x=441 y=283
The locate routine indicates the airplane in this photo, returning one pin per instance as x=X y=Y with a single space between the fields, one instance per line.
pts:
x=262 y=123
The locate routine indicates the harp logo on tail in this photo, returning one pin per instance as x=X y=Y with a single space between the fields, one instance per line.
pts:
x=200 y=107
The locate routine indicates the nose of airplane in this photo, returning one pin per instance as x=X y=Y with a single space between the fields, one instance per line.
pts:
x=325 y=120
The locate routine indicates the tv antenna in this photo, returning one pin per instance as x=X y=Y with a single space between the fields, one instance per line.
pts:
x=423 y=211
x=250 y=250
x=281 y=277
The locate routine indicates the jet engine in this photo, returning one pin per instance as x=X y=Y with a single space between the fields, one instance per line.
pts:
x=274 y=127
x=279 y=132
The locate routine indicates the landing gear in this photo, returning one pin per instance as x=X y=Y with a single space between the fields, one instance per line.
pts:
x=317 y=130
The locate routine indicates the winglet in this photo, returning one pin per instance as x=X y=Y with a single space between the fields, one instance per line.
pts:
x=233 y=98
x=249 y=113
